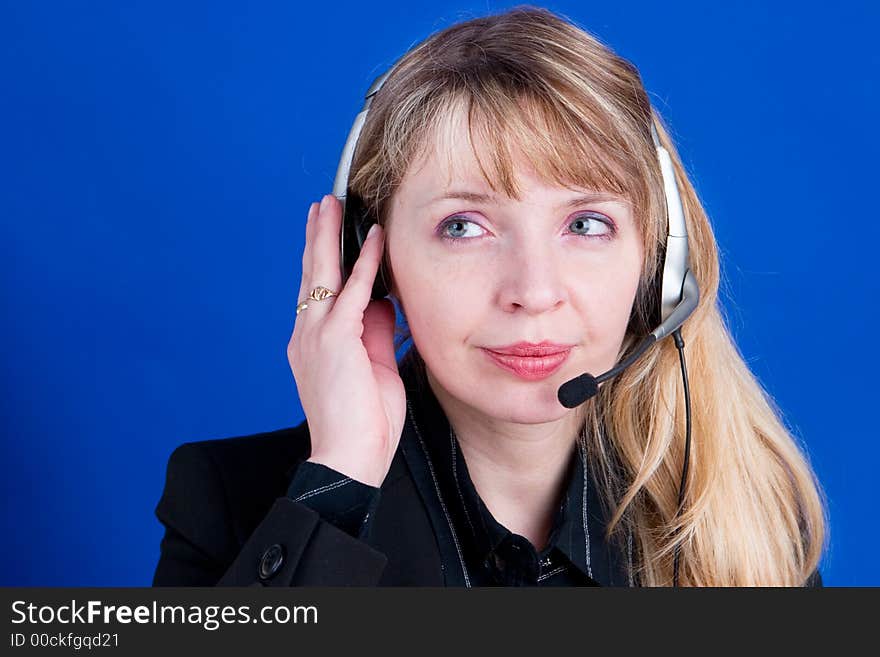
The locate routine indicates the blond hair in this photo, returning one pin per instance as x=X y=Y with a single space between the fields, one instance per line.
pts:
x=534 y=83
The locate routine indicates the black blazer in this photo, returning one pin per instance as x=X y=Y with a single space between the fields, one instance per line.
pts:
x=229 y=522
x=228 y=519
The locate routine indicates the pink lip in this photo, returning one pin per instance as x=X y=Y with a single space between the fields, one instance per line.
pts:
x=531 y=368
x=545 y=348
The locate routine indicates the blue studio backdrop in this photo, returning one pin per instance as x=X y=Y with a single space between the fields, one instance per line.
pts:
x=157 y=160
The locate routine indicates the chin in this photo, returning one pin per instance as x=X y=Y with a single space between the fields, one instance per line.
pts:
x=531 y=416
x=529 y=403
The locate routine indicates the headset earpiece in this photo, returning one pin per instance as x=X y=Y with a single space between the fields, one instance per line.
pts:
x=356 y=222
x=356 y=219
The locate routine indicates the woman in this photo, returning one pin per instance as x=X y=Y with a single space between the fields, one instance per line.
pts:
x=510 y=165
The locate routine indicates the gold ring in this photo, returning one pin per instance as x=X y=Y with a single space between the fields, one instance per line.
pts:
x=317 y=294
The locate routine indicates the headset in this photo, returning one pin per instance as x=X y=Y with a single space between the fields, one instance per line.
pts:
x=678 y=289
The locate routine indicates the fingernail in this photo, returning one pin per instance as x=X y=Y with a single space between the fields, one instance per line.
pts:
x=324 y=202
x=372 y=231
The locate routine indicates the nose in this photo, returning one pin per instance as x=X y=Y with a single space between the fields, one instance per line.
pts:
x=531 y=279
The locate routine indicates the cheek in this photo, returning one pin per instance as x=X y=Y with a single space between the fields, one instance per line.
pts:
x=606 y=297
x=612 y=296
x=432 y=297
x=435 y=310
x=441 y=308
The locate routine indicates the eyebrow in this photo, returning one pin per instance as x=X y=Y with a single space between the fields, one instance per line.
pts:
x=475 y=197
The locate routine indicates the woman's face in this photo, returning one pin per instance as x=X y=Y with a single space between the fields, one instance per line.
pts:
x=552 y=266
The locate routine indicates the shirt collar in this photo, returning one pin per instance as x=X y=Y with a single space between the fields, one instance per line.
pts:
x=579 y=522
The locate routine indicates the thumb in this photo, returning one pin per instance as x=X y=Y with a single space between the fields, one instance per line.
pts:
x=378 y=337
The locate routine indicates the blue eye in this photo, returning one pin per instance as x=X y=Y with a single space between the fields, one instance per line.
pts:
x=458 y=225
x=593 y=225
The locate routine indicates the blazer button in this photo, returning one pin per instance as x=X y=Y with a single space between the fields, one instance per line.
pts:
x=271 y=561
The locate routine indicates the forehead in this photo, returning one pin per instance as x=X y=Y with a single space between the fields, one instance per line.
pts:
x=453 y=161
x=463 y=151
x=448 y=155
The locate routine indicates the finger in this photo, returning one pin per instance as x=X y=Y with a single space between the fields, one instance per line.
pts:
x=354 y=297
x=307 y=259
x=315 y=254
x=324 y=267
x=310 y=231
x=323 y=256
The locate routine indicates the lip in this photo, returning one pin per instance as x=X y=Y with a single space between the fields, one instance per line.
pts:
x=545 y=348
x=530 y=368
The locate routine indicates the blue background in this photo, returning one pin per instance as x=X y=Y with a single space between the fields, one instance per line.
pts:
x=157 y=162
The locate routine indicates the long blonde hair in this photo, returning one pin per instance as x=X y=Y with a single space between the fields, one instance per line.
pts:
x=534 y=83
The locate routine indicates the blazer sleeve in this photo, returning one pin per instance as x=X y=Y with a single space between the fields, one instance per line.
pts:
x=337 y=498
x=291 y=546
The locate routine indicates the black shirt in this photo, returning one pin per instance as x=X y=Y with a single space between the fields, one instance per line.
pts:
x=475 y=548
